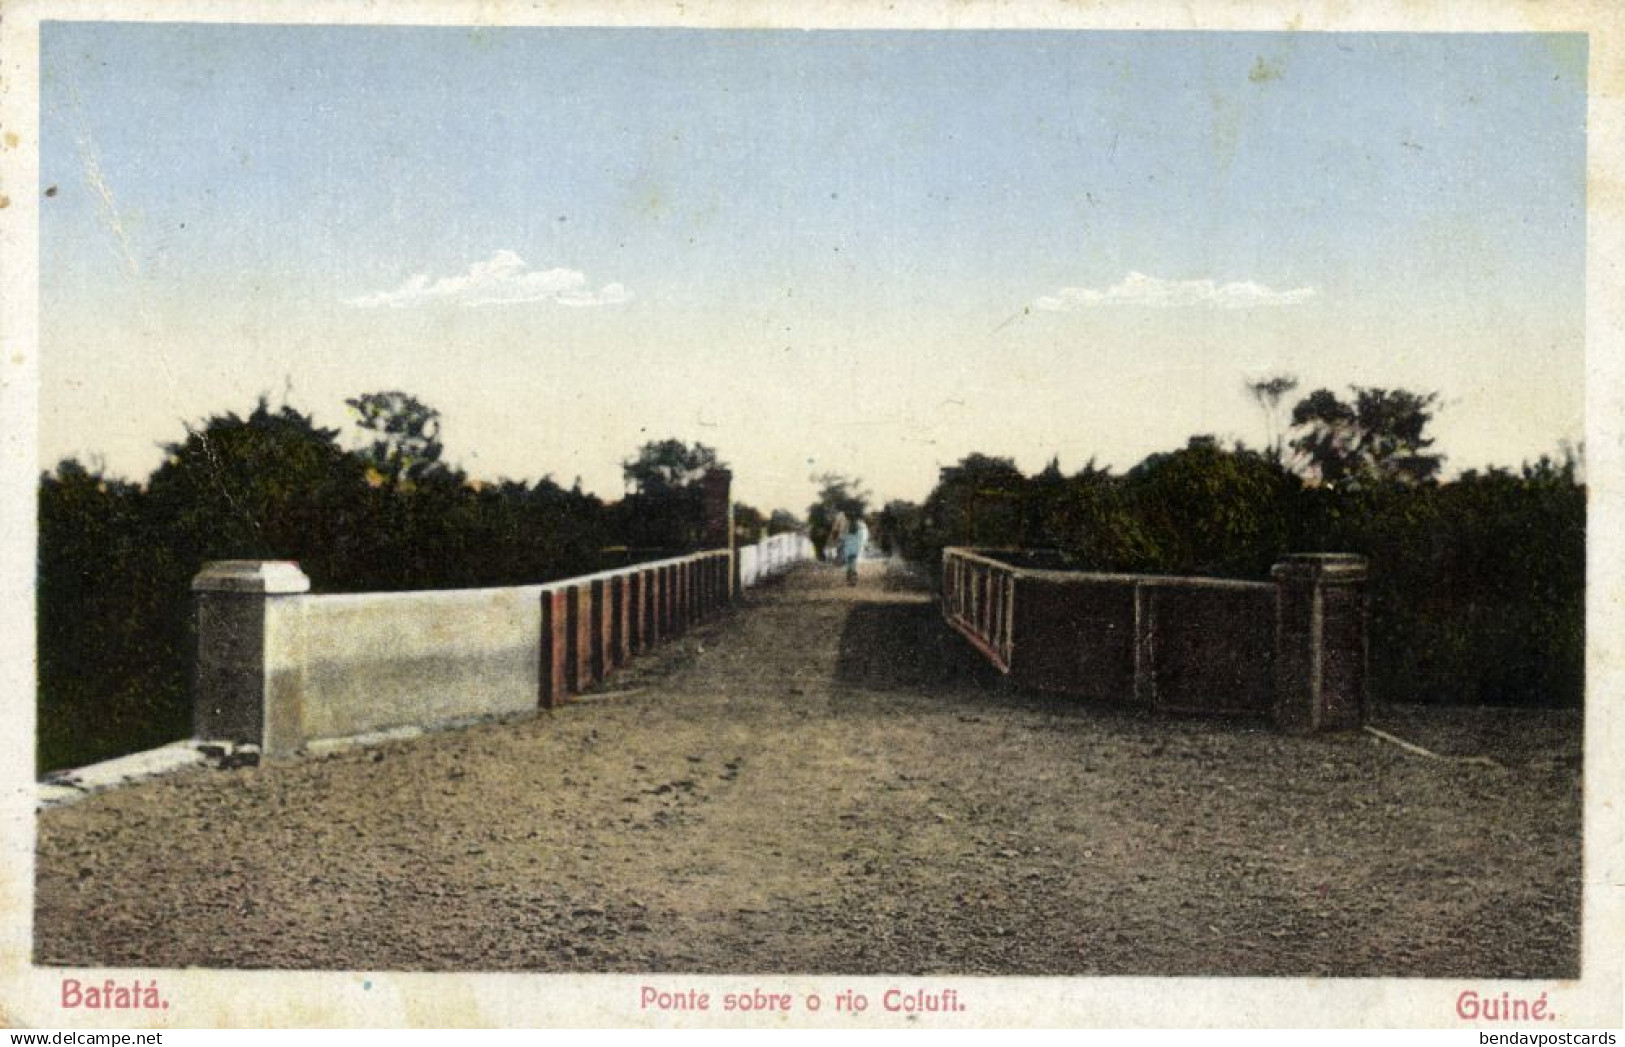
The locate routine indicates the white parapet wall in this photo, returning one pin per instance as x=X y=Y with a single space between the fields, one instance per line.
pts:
x=772 y=556
x=280 y=667
x=379 y=660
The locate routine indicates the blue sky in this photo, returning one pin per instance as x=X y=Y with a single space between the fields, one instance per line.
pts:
x=872 y=252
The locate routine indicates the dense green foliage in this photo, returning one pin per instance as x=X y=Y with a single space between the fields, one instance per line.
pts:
x=116 y=559
x=751 y=526
x=664 y=466
x=837 y=494
x=1477 y=585
x=1377 y=439
x=783 y=521
x=108 y=646
x=405 y=435
x=1476 y=593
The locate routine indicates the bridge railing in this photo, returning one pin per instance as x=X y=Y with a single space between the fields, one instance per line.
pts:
x=977 y=593
x=1293 y=648
x=278 y=667
x=771 y=556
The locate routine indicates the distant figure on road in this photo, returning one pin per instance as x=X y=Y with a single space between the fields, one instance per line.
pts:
x=857 y=536
x=837 y=535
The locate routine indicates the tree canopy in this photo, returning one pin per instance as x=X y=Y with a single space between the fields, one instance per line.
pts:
x=783 y=521
x=837 y=493
x=979 y=499
x=272 y=485
x=1207 y=508
x=664 y=466
x=406 y=441
x=1377 y=439
x=1268 y=393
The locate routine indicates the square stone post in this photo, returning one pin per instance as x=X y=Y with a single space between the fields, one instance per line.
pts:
x=649 y=598
x=637 y=588
x=1320 y=641
x=668 y=601
x=581 y=638
x=620 y=590
x=237 y=677
x=603 y=631
x=679 y=597
x=555 y=655
x=717 y=511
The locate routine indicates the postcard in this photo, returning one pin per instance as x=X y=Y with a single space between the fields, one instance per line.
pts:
x=782 y=515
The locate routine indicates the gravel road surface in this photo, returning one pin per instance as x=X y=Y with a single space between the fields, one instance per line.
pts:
x=824 y=779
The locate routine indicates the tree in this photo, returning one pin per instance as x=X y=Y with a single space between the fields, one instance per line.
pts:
x=979 y=501
x=783 y=521
x=273 y=485
x=748 y=523
x=897 y=528
x=665 y=510
x=1376 y=440
x=116 y=562
x=1268 y=393
x=665 y=466
x=406 y=442
x=1044 y=495
x=1090 y=521
x=111 y=625
x=836 y=494
x=1207 y=509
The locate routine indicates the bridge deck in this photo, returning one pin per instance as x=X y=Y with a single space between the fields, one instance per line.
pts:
x=826 y=780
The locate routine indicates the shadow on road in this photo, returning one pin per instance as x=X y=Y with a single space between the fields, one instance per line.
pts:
x=906 y=650
x=905 y=647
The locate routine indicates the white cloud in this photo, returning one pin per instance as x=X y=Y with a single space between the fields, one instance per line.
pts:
x=1156 y=293
x=502 y=279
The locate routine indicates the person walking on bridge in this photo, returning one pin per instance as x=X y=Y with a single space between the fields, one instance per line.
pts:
x=834 y=540
x=857 y=536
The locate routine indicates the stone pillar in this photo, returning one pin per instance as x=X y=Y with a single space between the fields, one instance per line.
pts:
x=637 y=597
x=237 y=674
x=654 y=594
x=716 y=510
x=555 y=667
x=1320 y=641
x=668 y=600
x=581 y=638
x=621 y=600
x=662 y=591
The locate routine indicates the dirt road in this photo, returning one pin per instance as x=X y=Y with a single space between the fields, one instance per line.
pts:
x=825 y=780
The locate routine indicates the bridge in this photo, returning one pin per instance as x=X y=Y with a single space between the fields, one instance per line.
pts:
x=812 y=778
